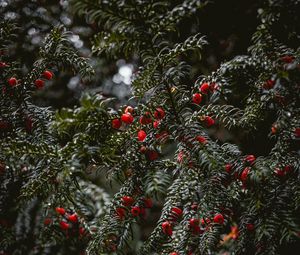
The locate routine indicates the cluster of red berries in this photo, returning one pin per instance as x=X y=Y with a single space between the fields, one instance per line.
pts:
x=243 y=177
x=194 y=223
x=39 y=83
x=135 y=211
x=204 y=89
x=69 y=223
x=128 y=117
x=281 y=172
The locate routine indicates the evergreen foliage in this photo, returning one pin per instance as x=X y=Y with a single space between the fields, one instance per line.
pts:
x=168 y=148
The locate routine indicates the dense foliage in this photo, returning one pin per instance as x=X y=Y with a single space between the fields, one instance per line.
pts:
x=213 y=162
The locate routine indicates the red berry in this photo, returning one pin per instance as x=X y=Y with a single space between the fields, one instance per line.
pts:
x=127 y=118
x=47 y=221
x=47 y=75
x=250 y=159
x=81 y=230
x=167 y=228
x=193 y=222
x=194 y=207
x=204 y=88
x=155 y=124
x=151 y=155
x=135 y=211
x=269 y=84
x=60 y=210
x=244 y=174
x=174 y=253
x=148 y=203
x=3 y=64
x=143 y=149
x=39 y=83
x=209 y=121
x=146 y=118
x=129 y=109
x=219 y=218
x=127 y=200
x=197 y=98
x=250 y=227
x=180 y=156
x=213 y=86
x=176 y=211
x=121 y=212
x=201 y=139
x=73 y=217
x=12 y=81
x=159 y=113
x=141 y=135
x=64 y=225
x=287 y=169
x=279 y=172
x=228 y=168
x=116 y=123
x=287 y=59
x=273 y=129
x=297 y=132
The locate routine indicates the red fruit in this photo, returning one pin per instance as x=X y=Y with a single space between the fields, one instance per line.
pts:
x=287 y=59
x=180 y=156
x=194 y=207
x=127 y=118
x=116 y=123
x=161 y=136
x=152 y=155
x=228 y=168
x=297 y=132
x=287 y=169
x=143 y=149
x=219 y=218
x=209 y=121
x=269 y=84
x=279 y=172
x=135 y=211
x=64 y=225
x=47 y=75
x=39 y=83
x=159 y=113
x=193 y=222
x=146 y=118
x=250 y=227
x=197 y=230
x=81 y=230
x=121 y=212
x=3 y=64
x=60 y=210
x=155 y=124
x=127 y=200
x=213 y=86
x=167 y=228
x=148 y=203
x=47 y=221
x=244 y=174
x=12 y=82
x=174 y=253
x=197 y=98
x=250 y=159
x=141 y=135
x=129 y=109
x=204 y=88
x=73 y=217
x=176 y=211
x=201 y=139
x=273 y=130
